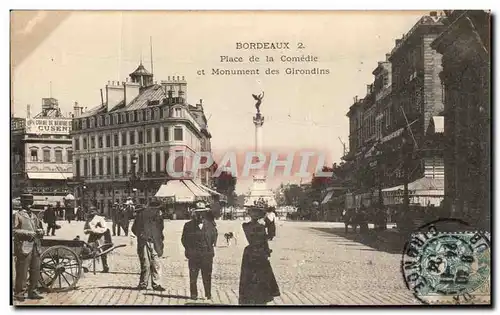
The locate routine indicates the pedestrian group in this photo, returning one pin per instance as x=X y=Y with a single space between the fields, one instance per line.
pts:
x=258 y=284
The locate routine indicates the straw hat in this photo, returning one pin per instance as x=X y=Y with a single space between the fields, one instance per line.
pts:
x=201 y=206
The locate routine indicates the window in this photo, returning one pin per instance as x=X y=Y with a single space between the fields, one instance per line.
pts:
x=92 y=142
x=178 y=112
x=101 y=166
x=179 y=162
x=85 y=143
x=108 y=166
x=161 y=113
x=34 y=155
x=165 y=160
x=117 y=166
x=132 y=137
x=46 y=155
x=157 y=162
x=108 y=141
x=116 y=144
x=135 y=116
x=140 y=167
x=107 y=120
x=140 y=137
x=157 y=134
x=92 y=167
x=69 y=154
x=77 y=144
x=58 y=154
x=124 y=138
x=148 y=136
x=100 y=144
x=85 y=168
x=77 y=165
x=178 y=134
x=149 y=163
x=124 y=165
x=165 y=133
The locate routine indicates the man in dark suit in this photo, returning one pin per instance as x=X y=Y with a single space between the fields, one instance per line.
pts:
x=148 y=228
x=50 y=216
x=27 y=230
x=199 y=238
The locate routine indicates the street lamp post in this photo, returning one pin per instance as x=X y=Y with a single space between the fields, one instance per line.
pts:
x=133 y=177
x=84 y=187
x=380 y=174
x=406 y=155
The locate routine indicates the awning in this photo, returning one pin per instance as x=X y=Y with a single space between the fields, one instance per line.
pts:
x=327 y=197
x=177 y=189
x=197 y=191
x=213 y=192
x=59 y=176
x=421 y=184
x=45 y=200
x=69 y=197
x=438 y=124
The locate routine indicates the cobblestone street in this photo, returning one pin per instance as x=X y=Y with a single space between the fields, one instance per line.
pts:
x=312 y=266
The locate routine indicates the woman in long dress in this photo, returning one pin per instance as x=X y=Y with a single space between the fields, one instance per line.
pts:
x=258 y=284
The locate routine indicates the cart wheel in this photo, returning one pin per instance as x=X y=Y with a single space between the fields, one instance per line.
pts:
x=60 y=269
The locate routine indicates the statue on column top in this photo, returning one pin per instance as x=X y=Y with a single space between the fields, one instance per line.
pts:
x=258 y=98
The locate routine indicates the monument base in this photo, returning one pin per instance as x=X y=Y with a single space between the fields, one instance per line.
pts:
x=258 y=191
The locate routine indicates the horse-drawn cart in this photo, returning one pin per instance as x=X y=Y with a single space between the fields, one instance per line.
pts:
x=61 y=262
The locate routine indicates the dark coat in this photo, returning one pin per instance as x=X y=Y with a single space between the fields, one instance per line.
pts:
x=148 y=226
x=257 y=281
x=50 y=215
x=199 y=243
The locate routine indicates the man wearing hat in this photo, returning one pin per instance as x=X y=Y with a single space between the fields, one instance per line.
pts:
x=114 y=218
x=50 y=216
x=96 y=227
x=148 y=228
x=199 y=238
x=27 y=230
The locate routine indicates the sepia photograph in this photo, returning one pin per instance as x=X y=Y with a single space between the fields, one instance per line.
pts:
x=250 y=158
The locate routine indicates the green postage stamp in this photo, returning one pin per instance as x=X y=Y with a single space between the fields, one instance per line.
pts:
x=448 y=267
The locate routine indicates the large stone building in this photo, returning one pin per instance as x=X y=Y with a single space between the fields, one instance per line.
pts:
x=42 y=154
x=134 y=131
x=406 y=93
x=466 y=49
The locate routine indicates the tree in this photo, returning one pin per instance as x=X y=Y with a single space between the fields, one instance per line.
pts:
x=225 y=184
x=292 y=195
x=322 y=182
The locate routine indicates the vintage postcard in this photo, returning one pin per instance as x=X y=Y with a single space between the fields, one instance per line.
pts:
x=272 y=158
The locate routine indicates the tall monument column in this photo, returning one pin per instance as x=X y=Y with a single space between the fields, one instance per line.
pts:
x=259 y=188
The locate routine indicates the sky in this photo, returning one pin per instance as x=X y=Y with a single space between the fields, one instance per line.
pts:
x=84 y=50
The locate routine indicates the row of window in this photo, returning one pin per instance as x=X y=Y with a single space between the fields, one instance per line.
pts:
x=129 y=117
x=46 y=156
x=151 y=135
x=105 y=165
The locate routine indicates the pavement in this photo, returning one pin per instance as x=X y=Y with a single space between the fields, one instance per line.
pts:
x=315 y=263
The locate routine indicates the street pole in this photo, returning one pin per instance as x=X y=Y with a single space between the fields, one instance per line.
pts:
x=406 y=155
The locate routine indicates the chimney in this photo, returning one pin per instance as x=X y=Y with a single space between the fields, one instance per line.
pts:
x=387 y=56
x=28 y=111
x=433 y=13
x=368 y=89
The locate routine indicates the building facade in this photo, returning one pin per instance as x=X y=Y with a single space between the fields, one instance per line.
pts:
x=405 y=100
x=42 y=154
x=465 y=45
x=122 y=146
